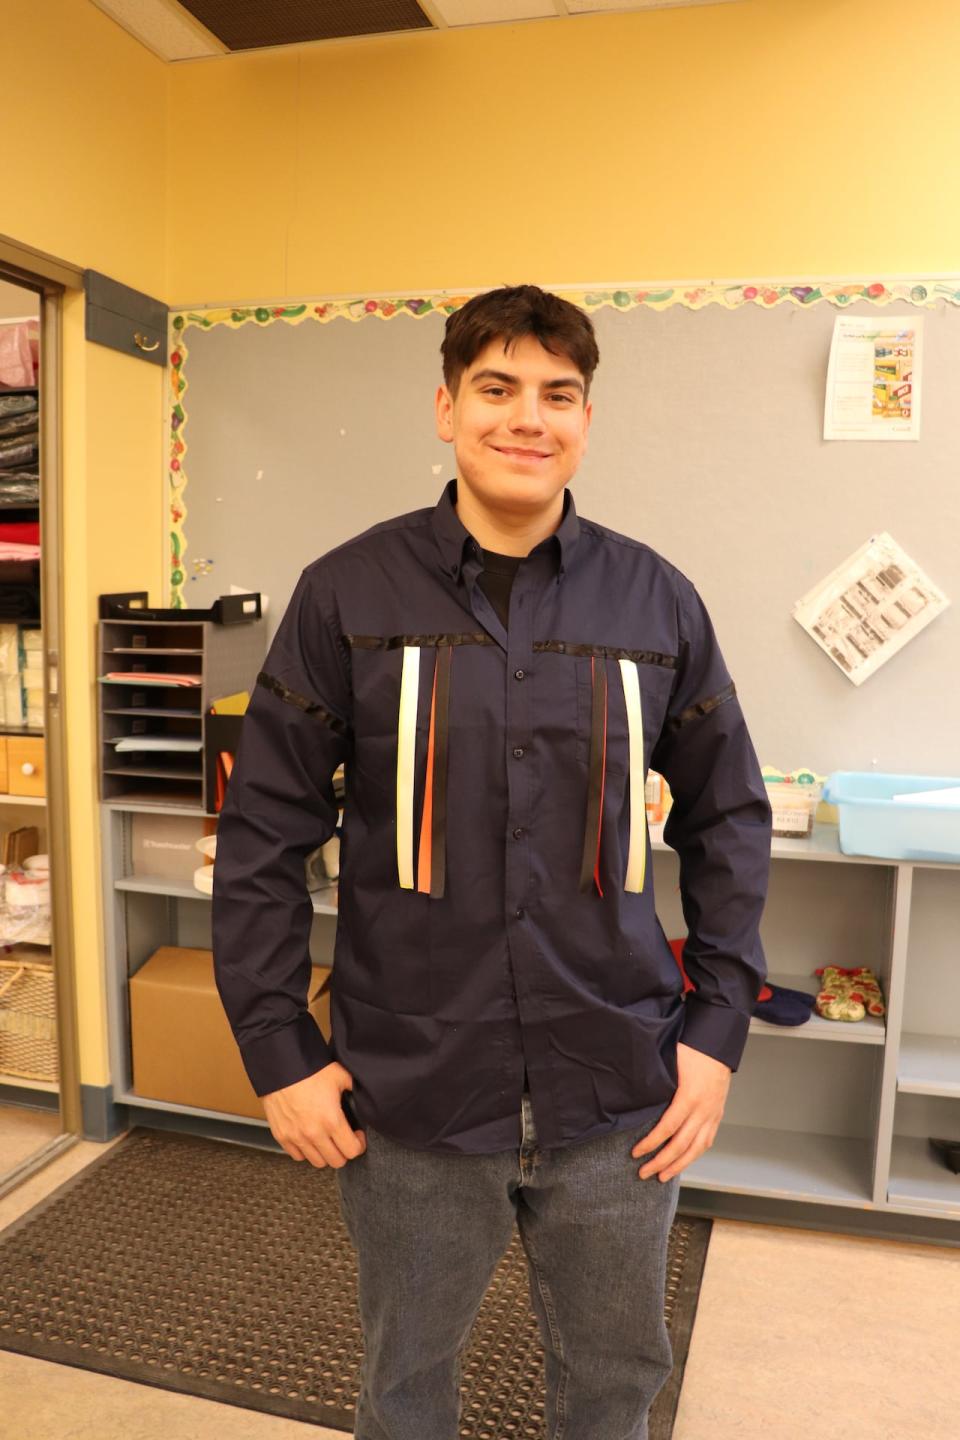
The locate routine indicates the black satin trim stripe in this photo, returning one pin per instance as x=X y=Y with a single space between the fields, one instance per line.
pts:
x=438 y=827
x=398 y=642
x=591 y=834
x=309 y=707
x=480 y=637
x=607 y=652
x=702 y=707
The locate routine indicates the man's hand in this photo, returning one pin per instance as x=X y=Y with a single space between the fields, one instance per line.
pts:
x=308 y=1121
x=692 y=1118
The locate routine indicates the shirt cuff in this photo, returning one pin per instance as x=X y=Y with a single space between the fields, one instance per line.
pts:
x=716 y=1030
x=285 y=1056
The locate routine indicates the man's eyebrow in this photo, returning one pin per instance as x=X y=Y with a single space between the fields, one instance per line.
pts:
x=563 y=382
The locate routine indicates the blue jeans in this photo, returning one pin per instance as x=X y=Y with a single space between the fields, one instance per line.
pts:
x=429 y=1231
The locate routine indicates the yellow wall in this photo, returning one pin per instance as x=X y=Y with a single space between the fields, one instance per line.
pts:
x=86 y=185
x=763 y=138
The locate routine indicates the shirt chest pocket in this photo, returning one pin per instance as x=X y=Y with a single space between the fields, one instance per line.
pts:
x=636 y=700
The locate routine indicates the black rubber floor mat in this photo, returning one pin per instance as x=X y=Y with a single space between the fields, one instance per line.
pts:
x=225 y=1271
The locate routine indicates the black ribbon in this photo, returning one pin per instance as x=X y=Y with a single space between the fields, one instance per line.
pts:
x=598 y=727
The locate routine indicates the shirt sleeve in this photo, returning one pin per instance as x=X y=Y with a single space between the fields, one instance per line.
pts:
x=720 y=826
x=280 y=806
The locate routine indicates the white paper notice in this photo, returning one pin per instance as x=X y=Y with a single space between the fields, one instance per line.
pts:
x=873 y=379
x=870 y=607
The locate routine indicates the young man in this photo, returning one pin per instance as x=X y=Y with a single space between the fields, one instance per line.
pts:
x=497 y=675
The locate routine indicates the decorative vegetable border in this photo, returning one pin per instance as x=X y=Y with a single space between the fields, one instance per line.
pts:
x=765 y=294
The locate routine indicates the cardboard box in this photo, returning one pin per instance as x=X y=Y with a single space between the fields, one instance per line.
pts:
x=183 y=1047
x=164 y=846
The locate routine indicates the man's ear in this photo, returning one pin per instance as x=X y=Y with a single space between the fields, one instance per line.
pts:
x=444 y=405
x=587 y=417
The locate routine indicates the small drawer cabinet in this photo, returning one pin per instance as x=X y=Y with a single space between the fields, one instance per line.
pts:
x=22 y=767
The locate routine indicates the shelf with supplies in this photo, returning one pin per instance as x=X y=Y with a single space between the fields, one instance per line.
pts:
x=151 y=855
x=154 y=885
x=19 y=487
x=826 y=1113
x=160 y=671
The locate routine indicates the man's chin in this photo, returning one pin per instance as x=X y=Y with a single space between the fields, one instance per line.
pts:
x=519 y=493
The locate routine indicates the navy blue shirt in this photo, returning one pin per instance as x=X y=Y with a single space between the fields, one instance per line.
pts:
x=496 y=906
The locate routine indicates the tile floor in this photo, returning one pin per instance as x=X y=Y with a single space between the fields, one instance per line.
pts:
x=800 y=1335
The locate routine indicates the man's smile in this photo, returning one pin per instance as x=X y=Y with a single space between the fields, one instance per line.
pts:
x=516 y=452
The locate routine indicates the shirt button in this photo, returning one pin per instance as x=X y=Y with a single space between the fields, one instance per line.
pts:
x=518 y=833
x=519 y=912
x=518 y=674
x=518 y=753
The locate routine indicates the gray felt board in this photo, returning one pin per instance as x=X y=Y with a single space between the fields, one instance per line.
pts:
x=706 y=444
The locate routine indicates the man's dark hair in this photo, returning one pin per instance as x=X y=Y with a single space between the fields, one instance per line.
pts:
x=509 y=314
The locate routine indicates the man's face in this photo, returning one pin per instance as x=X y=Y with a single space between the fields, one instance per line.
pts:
x=518 y=425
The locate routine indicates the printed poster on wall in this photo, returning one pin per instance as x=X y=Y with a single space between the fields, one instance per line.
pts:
x=870 y=607
x=873 y=378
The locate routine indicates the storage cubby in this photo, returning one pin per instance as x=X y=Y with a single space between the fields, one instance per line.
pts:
x=799 y=1122
x=920 y=1180
x=930 y=1038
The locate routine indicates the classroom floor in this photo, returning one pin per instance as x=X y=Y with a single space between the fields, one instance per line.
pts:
x=799 y=1335
x=23 y=1132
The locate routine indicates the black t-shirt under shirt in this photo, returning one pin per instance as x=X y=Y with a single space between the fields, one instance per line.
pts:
x=496 y=581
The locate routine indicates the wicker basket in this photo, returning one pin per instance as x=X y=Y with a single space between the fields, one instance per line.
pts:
x=28 y=1024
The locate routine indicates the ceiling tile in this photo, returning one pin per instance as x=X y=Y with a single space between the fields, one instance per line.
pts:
x=586 y=7
x=163 y=27
x=481 y=12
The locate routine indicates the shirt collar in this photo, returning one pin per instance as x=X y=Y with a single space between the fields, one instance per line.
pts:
x=452 y=536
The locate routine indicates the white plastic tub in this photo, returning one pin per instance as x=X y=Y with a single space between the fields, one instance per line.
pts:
x=873 y=823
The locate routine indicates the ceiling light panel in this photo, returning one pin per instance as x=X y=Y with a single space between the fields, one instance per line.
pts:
x=163 y=27
x=485 y=12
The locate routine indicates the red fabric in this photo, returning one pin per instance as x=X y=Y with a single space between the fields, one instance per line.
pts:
x=425 y=854
x=677 y=947
x=22 y=532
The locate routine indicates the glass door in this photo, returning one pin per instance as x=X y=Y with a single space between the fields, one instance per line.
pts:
x=31 y=1114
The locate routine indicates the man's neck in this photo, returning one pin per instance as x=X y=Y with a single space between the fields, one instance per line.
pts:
x=504 y=533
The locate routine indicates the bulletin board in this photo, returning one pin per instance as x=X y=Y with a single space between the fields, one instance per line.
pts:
x=296 y=427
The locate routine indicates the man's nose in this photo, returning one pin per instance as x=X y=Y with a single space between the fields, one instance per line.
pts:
x=525 y=413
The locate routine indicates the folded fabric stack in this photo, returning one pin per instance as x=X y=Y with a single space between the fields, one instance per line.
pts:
x=19 y=453
x=20 y=540
x=21 y=675
x=31 y=674
x=19 y=351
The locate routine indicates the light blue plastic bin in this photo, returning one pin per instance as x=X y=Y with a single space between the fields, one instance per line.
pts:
x=871 y=824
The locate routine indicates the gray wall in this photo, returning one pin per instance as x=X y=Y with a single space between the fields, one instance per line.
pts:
x=705 y=444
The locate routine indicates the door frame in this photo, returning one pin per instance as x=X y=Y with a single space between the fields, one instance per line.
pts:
x=49 y=278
